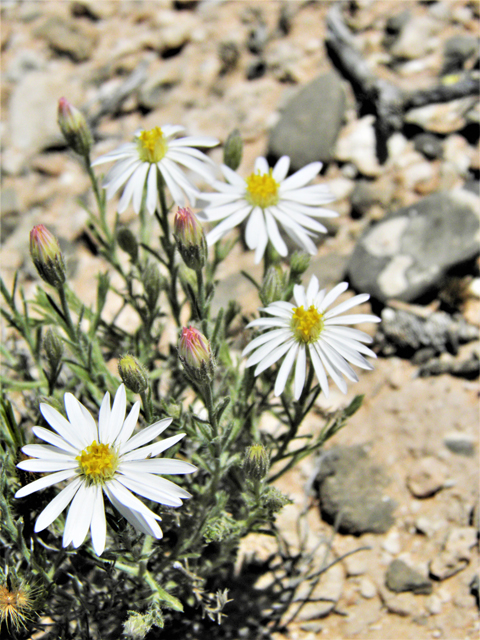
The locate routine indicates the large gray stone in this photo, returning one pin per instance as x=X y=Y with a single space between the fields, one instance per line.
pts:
x=400 y=577
x=309 y=125
x=407 y=254
x=349 y=487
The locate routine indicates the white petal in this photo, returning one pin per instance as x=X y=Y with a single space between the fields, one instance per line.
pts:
x=265 y=337
x=179 y=177
x=337 y=360
x=44 y=482
x=312 y=290
x=358 y=318
x=273 y=356
x=170 y=130
x=333 y=295
x=301 y=177
x=152 y=450
x=79 y=517
x=274 y=234
x=268 y=322
x=104 y=419
x=98 y=527
x=281 y=168
x=145 y=435
x=348 y=304
x=140 y=177
x=233 y=178
x=300 y=371
x=157 y=483
x=142 y=523
x=129 y=190
x=46 y=452
x=262 y=241
x=254 y=228
x=285 y=369
x=152 y=192
x=299 y=295
x=350 y=344
x=175 y=190
x=81 y=418
x=148 y=491
x=313 y=195
x=125 y=497
x=49 y=436
x=125 y=150
x=196 y=141
x=319 y=369
x=183 y=157
x=229 y=223
x=57 y=505
x=63 y=427
x=301 y=237
x=118 y=176
x=292 y=214
x=333 y=373
x=129 y=424
x=261 y=165
x=117 y=416
x=347 y=352
x=44 y=466
x=267 y=348
x=348 y=332
x=213 y=214
x=166 y=466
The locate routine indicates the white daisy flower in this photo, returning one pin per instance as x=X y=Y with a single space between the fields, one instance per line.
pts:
x=157 y=150
x=268 y=198
x=102 y=460
x=308 y=329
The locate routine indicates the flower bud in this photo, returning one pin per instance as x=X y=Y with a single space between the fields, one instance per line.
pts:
x=233 y=150
x=53 y=346
x=272 y=286
x=152 y=284
x=133 y=374
x=74 y=128
x=190 y=238
x=256 y=462
x=128 y=243
x=299 y=263
x=47 y=256
x=137 y=625
x=196 y=355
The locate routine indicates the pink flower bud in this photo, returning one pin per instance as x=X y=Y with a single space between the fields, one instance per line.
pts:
x=190 y=239
x=196 y=355
x=47 y=256
x=74 y=128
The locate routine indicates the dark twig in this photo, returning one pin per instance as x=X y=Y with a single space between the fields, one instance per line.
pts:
x=388 y=101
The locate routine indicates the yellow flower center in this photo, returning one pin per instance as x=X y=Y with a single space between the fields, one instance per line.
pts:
x=98 y=462
x=307 y=325
x=262 y=189
x=152 y=145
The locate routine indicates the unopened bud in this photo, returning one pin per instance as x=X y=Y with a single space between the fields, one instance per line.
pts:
x=233 y=150
x=273 y=286
x=299 y=263
x=53 y=346
x=190 y=238
x=196 y=355
x=74 y=128
x=152 y=284
x=128 y=243
x=47 y=256
x=256 y=462
x=133 y=374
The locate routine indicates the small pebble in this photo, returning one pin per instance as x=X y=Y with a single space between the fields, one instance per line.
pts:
x=367 y=589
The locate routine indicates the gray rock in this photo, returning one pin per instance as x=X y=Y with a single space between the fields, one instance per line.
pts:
x=457 y=50
x=349 y=488
x=460 y=443
x=68 y=37
x=407 y=254
x=309 y=125
x=455 y=554
x=400 y=577
x=431 y=146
